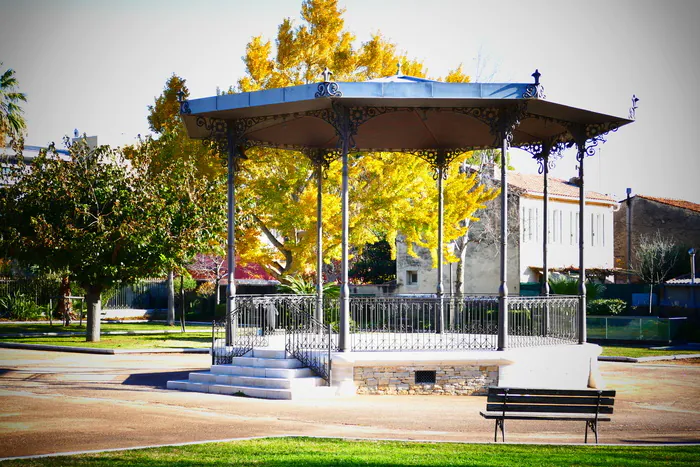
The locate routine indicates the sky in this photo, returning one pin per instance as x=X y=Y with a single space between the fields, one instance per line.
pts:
x=95 y=65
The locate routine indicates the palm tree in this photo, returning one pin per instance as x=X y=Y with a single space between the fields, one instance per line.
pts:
x=12 y=122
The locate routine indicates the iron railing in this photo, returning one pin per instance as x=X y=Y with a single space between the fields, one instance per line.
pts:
x=537 y=320
x=310 y=341
x=393 y=323
x=250 y=324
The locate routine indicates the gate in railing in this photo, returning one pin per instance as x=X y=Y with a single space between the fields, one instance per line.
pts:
x=310 y=341
x=249 y=326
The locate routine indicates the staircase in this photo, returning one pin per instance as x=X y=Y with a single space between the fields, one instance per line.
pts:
x=265 y=374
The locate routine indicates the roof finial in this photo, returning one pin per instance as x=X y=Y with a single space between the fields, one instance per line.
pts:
x=536 y=75
x=398 y=68
x=326 y=75
x=633 y=109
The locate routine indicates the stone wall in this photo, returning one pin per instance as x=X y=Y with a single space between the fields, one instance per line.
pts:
x=451 y=380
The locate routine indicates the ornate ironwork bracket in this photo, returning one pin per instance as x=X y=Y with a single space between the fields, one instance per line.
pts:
x=322 y=158
x=588 y=137
x=438 y=159
x=506 y=121
x=546 y=152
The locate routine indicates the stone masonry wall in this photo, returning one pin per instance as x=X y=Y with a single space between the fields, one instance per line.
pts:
x=450 y=380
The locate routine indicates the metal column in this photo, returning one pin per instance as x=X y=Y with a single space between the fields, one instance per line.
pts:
x=319 y=240
x=344 y=335
x=440 y=255
x=545 y=237
x=503 y=288
x=581 y=145
x=230 y=250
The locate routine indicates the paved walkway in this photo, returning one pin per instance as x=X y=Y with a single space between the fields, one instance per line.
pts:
x=60 y=402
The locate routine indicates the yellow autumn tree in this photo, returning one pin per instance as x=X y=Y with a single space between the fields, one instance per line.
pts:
x=389 y=193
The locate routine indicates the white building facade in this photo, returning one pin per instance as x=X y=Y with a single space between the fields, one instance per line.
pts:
x=525 y=245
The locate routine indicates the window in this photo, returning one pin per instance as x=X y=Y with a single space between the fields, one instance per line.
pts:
x=411 y=277
x=573 y=224
x=555 y=226
x=593 y=228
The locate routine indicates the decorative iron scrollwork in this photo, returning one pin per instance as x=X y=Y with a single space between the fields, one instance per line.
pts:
x=215 y=126
x=322 y=157
x=328 y=89
x=438 y=159
x=549 y=151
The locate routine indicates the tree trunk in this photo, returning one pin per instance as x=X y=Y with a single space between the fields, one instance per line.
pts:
x=459 y=280
x=217 y=294
x=64 y=304
x=182 y=303
x=651 y=288
x=94 y=307
x=171 y=299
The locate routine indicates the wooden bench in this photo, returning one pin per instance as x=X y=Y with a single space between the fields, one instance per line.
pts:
x=586 y=405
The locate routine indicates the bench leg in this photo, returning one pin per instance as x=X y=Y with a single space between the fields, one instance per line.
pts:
x=499 y=423
x=594 y=428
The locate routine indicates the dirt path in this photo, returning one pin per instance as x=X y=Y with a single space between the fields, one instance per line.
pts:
x=59 y=402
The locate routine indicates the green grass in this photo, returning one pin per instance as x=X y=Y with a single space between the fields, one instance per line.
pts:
x=636 y=352
x=322 y=452
x=148 y=341
x=75 y=327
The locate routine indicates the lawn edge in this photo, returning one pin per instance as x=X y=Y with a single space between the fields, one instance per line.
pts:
x=93 y=350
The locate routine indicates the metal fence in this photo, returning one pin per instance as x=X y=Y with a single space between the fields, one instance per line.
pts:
x=634 y=328
x=144 y=294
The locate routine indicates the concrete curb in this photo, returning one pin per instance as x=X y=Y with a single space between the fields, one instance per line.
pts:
x=103 y=333
x=647 y=359
x=92 y=350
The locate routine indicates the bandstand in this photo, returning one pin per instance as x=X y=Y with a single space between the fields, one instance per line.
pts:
x=445 y=343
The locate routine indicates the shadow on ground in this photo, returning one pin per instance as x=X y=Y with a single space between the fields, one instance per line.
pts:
x=155 y=380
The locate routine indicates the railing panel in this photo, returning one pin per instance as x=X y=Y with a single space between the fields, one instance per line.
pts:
x=537 y=320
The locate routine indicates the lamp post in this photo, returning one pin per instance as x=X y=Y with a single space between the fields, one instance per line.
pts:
x=691 y=252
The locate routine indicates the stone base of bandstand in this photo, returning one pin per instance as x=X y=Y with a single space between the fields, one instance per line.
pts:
x=468 y=372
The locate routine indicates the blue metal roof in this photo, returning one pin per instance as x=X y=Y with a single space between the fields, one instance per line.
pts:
x=394 y=113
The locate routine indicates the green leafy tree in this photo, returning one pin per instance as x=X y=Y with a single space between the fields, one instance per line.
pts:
x=375 y=265
x=389 y=193
x=12 y=124
x=190 y=181
x=91 y=214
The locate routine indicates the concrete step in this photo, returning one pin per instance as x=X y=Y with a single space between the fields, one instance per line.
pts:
x=270 y=353
x=264 y=373
x=267 y=362
x=258 y=382
x=262 y=393
x=261 y=371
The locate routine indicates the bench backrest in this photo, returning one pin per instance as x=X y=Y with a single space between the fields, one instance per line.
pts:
x=578 y=401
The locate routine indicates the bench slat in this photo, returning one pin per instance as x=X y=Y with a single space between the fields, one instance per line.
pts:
x=553 y=392
x=552 y=400
x=547 y=408
x=544 y=416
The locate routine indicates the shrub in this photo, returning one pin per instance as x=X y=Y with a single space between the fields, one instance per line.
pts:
x=564 y=285
x=18 y=307
x=606 y=307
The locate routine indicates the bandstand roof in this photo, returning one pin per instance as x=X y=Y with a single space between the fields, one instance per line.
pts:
x=392 y=113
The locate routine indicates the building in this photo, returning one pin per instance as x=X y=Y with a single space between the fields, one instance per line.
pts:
x=525 y=244
x=641 y=216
